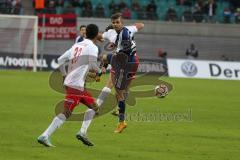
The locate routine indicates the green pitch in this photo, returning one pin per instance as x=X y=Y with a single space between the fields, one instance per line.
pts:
x=211 y=133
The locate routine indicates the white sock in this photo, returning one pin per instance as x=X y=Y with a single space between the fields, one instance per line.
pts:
x=102 y=96
x=88 y=116
x=56 y=123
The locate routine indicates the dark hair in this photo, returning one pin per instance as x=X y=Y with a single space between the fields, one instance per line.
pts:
x=82 y=26
x=109 y=27
x=116 y=16
x=91 y=31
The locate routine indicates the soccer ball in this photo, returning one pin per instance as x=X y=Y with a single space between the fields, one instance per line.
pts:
x=161 y=91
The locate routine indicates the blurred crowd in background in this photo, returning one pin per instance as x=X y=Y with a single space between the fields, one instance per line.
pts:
x=211 y=11
x=10 y=6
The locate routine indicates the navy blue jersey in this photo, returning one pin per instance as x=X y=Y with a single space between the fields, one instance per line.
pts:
x=79 y=39
x=125 y=40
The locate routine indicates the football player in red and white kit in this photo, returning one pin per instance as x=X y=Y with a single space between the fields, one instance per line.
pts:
x=80 y=58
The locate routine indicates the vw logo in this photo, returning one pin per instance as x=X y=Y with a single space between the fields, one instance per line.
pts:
x=189 y=69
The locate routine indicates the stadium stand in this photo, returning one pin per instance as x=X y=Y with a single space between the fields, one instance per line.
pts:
x=220 y=11
x=10 y=7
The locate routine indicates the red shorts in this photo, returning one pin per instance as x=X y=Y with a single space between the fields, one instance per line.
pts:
x=133 y=69
x=74 y=97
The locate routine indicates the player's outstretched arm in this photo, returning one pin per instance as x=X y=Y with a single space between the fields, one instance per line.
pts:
x=139 y=26
x=64 y=58
x=62 y=62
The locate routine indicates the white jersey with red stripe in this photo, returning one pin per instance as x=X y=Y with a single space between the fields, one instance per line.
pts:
x=80 y=58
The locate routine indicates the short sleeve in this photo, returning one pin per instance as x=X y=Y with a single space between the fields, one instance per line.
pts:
x=132 y=29
x=105 y=35
x=110 y=35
